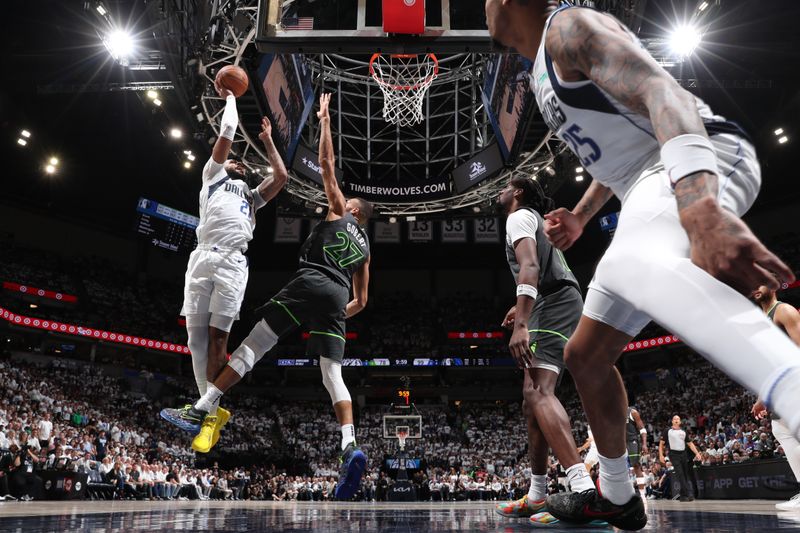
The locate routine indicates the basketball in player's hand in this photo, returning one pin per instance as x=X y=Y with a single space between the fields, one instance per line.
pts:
x=233 y=78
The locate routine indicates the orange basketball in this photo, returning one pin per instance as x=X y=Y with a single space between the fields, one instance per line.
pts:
x=234 y=79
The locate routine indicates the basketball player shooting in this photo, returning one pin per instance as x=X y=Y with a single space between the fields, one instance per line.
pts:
x=546 y=313
x=680 y=256
x=334 y=259
x=216 y=276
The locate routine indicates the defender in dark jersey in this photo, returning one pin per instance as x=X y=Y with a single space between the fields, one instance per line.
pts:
x=334 y=259
x=548 y=308
x=634 y=431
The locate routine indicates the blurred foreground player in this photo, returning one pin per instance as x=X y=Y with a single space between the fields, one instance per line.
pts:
x=680 y=252
x=216 y=277
x=334 y=257
x=786 y=318
x=636 y=439
x=547 y=311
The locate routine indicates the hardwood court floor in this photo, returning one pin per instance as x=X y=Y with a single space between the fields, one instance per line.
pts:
x=138 y=516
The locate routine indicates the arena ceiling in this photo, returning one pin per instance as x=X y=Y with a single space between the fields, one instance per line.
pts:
x=114 y=144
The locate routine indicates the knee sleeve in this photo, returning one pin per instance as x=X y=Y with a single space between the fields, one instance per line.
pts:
x=259 y=342
x=221 y=322
x=197 y=330
x=332 y=379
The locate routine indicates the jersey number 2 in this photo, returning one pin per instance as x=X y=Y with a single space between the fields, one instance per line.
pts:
x=345 y=252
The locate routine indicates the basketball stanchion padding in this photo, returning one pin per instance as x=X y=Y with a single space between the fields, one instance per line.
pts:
x=404 y=16
x=404 y=80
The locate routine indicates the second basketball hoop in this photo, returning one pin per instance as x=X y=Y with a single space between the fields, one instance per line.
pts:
x=404 y=80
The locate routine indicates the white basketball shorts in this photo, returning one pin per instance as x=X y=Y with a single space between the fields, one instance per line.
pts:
x=215 y=282
x=650 y=206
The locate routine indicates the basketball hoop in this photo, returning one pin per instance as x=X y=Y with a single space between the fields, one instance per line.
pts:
x=402 y=435
x=404 y=80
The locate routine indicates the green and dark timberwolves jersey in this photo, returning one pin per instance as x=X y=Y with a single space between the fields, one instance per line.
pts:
x=553 y=269
x=771 y=315
x=337 y=248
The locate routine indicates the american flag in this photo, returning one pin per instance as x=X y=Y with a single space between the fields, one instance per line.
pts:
x=298 y=23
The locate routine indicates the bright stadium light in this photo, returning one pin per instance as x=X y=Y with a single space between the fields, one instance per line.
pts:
x=779 y=131
x=120 y=45
x=684 y=40
x=702 y=7
x=579 y=178
x=156 y=101
x=22 y=142
x=191 y=157
x=54 y=161
x=27 y=134
x=152 y=95
x=101 y=10
x=50 y=169
x=578 y=170
x=783 y=140
x=187 y=164
x=175 y=133
x=392 y=220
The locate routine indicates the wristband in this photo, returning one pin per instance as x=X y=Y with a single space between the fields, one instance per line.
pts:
x=643 y=431
x=523 y=289
x=687 y=154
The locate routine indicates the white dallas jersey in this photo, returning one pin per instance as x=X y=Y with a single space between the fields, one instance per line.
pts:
x=613 y=143
x=227 y=210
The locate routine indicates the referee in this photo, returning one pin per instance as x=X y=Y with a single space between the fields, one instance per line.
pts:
x=677 y=456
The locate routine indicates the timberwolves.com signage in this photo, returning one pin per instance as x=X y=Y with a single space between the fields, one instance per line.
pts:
x=306 y=164
x=484 y=164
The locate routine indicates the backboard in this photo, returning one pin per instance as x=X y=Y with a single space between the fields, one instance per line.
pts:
x=356 y=26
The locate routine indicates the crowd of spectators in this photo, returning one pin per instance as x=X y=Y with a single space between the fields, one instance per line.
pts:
x=72 y=417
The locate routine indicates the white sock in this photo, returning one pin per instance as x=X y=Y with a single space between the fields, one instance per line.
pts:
x=578 y=479
x=348 y=435
x=615 y=483
x=213 y=410
x=208 y=400
x=538 y=490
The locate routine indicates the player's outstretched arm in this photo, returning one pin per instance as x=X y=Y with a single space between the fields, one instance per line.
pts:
x=360 y=291
x=637 y=418
x=562 y=227
x=336 y=201
x=273 y=184
x=227 y=126
x=588 y=44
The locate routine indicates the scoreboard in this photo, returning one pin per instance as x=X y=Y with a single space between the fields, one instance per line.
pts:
x=166 y=227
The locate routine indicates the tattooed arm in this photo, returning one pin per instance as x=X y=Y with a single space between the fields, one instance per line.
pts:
x=585 y=44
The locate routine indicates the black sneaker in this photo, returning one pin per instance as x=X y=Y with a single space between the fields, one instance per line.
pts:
x=583 y=507
x=187 y=418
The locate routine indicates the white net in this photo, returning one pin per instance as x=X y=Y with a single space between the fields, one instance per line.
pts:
x=404 y=80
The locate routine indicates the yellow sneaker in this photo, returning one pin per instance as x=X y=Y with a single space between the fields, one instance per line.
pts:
x=223 y=415
x=203 y=441
x=521 y=508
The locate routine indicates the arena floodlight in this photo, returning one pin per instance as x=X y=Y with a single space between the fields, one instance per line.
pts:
x=578 y=170
x=187 y=152
x=684 y=40
x=27 y=134
x=191 y=157
x=318 y=209
x=120 y=45
x=152 y=95
x=779 y=131
x=702 y=7
x=187 y=164
x=175 y=133
x=22 y=142
x=783 y=140
x=54 y=161
x=101 y=10
x=50 y=169
x=411 y=218
x=392 y=220
x=156 y=101
x=579 y=178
